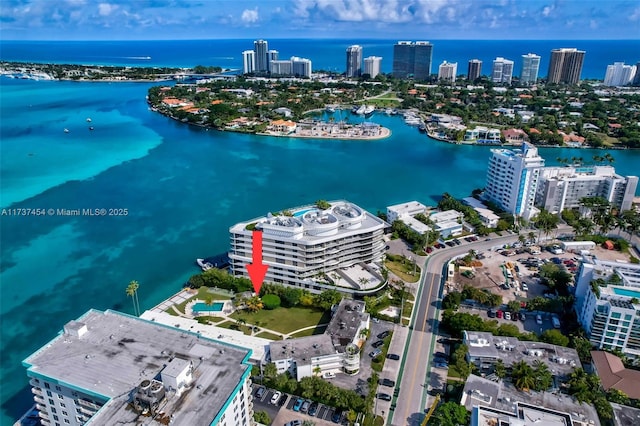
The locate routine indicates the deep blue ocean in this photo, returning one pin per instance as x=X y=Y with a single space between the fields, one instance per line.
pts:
x=182 y=186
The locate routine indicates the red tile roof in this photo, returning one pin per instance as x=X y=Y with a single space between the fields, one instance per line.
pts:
x=614 y=375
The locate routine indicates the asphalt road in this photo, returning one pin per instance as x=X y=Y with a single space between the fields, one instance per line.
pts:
x=416 y=378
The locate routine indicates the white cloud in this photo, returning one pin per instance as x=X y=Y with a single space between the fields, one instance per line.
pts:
x=249 y=16
x=593 y=24
x=635 y=16
x=547 y=10
x=105 y=9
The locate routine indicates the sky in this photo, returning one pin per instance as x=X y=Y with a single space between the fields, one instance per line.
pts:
x=370 y=19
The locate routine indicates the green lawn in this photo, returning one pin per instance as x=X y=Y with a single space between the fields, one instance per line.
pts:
x=284 y=320
x=231 y=325
x=310 y=332
x=270 y=336
x=403 y=269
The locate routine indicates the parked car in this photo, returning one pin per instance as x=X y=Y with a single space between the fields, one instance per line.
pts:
x=499 y=313
x=429 y=249
x=525 y=287
x=523 y=317
x=514 y=316
x=305 y=406
x=491 y=313
x=298 y=404
x=387 y=382
x=313 y=409
x=377 y=343
x=293 y=423
x=394 y=357
x=260 y=392
x=507 y=315
x=555 y=321
x=328 y=375
x=539 y=319
x=375 y=353
x=384 y=396
x=441 y=365
x=384 y=334
x=276 y=396
x=337 y=415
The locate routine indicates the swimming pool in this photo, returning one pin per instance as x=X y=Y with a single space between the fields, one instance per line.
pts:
x=301 y=212
x=203 y=307
x=626 y=292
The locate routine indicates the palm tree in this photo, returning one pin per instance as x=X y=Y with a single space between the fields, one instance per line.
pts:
x=523 y=375
x=132 y=291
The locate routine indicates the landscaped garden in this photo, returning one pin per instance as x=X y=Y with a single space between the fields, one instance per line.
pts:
x=405 y=269
x=284 y=320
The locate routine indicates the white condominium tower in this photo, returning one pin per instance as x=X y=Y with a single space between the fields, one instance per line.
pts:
x=372 y=66
x=307 y=246
x=448 y=71
x=608 y=304
x=502 y=71
x=109 y=368
x=561 y=188
x=530 y=68
x=512 y=179
x=354 y=61
x=248 y=61
x=619 y=74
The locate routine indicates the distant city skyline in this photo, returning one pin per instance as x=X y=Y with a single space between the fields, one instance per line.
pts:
x=319 y=19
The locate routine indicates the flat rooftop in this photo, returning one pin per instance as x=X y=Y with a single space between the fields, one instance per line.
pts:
x=624 y=415
x=345 y=322
x=302 y=348
x=560 y=360
x=117 y=351
x=410 y=207
x=525 y=407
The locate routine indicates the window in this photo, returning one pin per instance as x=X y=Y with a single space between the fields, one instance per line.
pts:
x=51 y=402
x=62 y=405
x=49 y=393
x=58 y=388
x=60 y=396
x=46 y=385
x=55 y=418
x=67 y=421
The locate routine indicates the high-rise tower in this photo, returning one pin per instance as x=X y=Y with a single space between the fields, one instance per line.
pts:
x=354 y=61
x=502 y=71
x=565 y=65
x=248 y=61
x=412 y=59
x=530 y=67
x=372 y=65
x=475 y=68
x=261 y=49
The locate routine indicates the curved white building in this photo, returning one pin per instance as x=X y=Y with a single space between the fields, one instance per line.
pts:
x=307 y=247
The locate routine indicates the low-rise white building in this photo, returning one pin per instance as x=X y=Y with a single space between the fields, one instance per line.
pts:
x=410 y=208
x=448 y=223
x=336 y=350
x=487 y=216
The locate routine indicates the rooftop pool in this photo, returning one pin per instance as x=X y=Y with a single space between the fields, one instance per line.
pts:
x=203 y=307
x=626 y=292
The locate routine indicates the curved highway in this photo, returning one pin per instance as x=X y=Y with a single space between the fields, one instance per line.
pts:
x=415 y=376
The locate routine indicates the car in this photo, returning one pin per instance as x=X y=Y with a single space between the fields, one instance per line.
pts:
x=514 y=316
x=384 y=396
x=283 y=400
x=499 y=313
x=298 y=404
x=313 y=409
x=539 y=319
x=429 y=249
x=523 y=317
x=328 y=375
x=305 y=406
x=450 y=243
x=377 y=343
x=293 y=423
x=507 y=315
x=260 y=392
x=276 y=396
x=555 y=321
x=491 y=313
x=394 y=357
x=525 y=287
x=387 y=248
x=441 y=365
x=387 y=382
x=337 y=415
x=375 y=353
x=384 y=334
x=457 y=242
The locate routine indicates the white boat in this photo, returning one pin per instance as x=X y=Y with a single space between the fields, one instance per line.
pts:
x=66 y=130
x=369 y=109
x=330 y=109
x=361 y=110
x=89 y=120
x=205 y=266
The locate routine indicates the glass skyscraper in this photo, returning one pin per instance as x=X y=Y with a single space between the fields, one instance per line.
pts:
x=412 y=59
x=530 y=67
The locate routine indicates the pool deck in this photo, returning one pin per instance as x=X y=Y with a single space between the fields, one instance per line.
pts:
x=227 y=309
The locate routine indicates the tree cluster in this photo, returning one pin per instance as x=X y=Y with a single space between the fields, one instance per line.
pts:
x=219 y=278
x=290 y=296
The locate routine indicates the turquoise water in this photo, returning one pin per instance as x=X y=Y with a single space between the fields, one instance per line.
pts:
x=301 y=212
x=626 y=292
x=182 y=186
x=203 y=307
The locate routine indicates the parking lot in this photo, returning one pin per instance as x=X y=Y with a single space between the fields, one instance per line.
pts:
x=282 y=411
